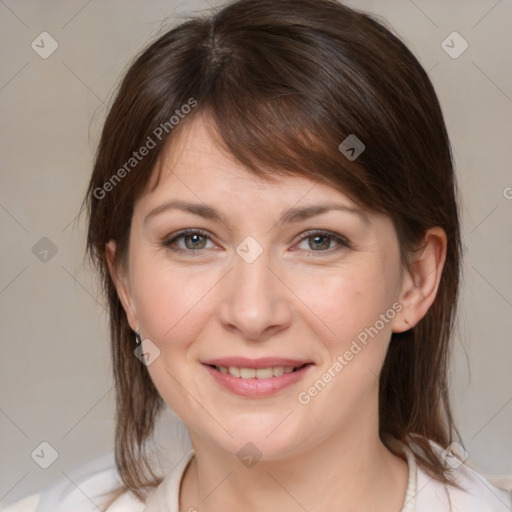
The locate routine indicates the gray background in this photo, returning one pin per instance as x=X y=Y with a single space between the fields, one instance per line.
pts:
x=55 y=369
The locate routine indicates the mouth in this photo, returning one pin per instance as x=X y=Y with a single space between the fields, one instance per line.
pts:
x=269 y=372
x=256 y=378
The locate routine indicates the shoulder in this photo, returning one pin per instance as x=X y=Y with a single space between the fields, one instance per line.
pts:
x=476 y=494
x=86 y=488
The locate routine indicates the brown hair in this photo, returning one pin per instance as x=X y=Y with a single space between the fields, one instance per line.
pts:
x=283 y=83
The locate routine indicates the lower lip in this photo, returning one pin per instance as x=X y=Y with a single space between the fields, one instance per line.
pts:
x=256 y=388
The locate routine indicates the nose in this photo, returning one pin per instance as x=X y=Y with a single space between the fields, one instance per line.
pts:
x=256 y=304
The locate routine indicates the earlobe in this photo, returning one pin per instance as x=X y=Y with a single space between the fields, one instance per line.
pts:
x=420 y=284
x=121 y=281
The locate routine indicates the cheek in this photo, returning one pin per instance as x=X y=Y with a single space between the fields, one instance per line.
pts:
x=173 y=307
x=346 y=301
x=170 y=301
x=351 y=315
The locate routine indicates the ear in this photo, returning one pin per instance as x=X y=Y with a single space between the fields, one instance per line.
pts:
x=420 y=284
x=121 y=280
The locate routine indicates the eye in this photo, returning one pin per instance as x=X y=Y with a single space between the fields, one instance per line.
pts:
x=194 y=240
x=321 y=241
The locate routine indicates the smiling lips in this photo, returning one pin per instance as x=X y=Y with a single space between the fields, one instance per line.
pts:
x=256 y=377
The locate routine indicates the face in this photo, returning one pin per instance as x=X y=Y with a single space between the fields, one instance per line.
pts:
x=240 y=288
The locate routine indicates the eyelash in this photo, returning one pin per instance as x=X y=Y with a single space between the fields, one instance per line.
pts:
x=342 y=241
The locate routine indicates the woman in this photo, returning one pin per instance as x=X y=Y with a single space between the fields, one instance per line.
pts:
x=273 y=215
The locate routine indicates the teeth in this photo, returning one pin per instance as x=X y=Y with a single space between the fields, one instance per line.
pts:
x=247 y=373
x=233 y=370
x=278 y=370
x=264 y=373
x=259 y=373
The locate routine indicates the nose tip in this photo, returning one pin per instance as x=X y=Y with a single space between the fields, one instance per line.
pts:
x=252 y=325
x=254 y=301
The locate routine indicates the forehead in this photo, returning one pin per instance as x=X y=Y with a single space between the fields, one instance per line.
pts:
x=194 y=163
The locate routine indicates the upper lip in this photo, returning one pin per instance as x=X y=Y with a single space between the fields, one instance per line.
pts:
x=262 y=362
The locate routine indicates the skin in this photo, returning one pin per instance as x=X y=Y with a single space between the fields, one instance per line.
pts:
x=300 y=298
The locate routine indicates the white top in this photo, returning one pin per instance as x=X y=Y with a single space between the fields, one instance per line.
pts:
x=424 y=494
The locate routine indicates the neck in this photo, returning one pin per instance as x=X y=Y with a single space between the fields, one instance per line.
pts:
x=348 y=471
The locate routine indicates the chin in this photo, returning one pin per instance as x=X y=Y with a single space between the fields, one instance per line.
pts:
x=259 y=440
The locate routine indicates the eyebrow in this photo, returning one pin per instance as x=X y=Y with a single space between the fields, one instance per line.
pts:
x=287 y=217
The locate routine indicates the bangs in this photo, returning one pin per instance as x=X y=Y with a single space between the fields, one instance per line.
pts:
x=281 y=136
x=274 y=132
